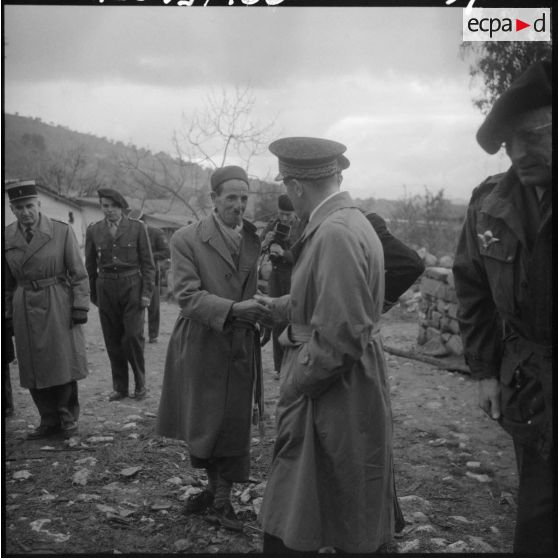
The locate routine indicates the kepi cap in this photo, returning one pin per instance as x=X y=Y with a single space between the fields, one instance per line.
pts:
x=308 y=158
x=21 y=191
x=530 y=91
x=230 y=172
x=113 y=195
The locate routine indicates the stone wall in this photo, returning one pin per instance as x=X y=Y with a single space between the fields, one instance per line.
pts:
x=438 y=327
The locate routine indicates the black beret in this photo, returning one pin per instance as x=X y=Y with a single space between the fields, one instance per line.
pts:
x=22 y=190
x=231 y=172
x=308 y=158
x=113 y=195
x=530 y=91
x=284 y=203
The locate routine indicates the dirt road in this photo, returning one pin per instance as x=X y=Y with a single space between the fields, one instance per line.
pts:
x=116 y=487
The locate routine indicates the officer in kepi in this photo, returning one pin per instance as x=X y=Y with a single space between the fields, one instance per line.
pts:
x=47 y=300
x=121 y=272
x=503 y=280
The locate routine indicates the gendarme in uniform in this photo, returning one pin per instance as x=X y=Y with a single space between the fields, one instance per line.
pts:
x=121 y=276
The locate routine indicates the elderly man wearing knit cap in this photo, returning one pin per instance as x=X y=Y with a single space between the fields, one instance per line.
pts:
x=277 y=240
x=503 y=280
x=331 y=482
x=211 y=370
x=121 y=275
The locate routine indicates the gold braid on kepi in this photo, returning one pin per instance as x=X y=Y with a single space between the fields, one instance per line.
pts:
x=308 y=158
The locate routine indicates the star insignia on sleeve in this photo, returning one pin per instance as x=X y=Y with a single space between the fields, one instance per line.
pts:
x=487 y=238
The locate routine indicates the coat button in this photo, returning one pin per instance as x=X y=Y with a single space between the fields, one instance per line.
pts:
x=524 y=284
x=305 y=359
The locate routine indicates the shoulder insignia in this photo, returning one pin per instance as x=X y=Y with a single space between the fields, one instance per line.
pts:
x=59 y=221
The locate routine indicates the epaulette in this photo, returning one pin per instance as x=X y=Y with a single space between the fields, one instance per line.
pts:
x=59 y=221
x=486 y=186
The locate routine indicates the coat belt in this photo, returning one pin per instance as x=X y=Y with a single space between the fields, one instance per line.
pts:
x=38 y=284
x=127 y=273
x=299 y=333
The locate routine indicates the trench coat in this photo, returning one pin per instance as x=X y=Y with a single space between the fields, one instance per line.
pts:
x=503 y=281
x=50 y=350
x=206 y=397
x=331 y=480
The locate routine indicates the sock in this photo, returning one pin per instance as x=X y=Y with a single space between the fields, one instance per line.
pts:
x=223 y=492
x=212 y=476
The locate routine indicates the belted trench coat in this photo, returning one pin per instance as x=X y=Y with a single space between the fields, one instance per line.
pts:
x=207 y=392
x=331 y=480
x=50 y=350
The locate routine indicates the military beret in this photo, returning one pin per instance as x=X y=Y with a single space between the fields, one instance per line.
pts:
x=21 y=191
x=113 y=195
x=231 y=172
x=308 y=158
x=284 y=203
x=530 y=91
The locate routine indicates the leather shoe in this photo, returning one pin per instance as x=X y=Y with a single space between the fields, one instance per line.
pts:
x=224 y=516
x=43 y=431
x=153 y=339
x=198 y=503
x=140 y=393
x=117 y=396
x=69 y=429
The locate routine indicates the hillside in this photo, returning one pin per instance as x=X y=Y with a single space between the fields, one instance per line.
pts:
x=78 y=164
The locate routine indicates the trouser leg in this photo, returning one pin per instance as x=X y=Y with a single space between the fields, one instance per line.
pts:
x=46 y=402
x=277 y=349
x=111 y=317
x=133 y=340
x=67 y=402
x=153 y=314
x=534 y=523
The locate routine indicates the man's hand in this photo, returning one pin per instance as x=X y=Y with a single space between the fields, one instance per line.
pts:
x=276 y=250
x=79 y=316
x=144 y=302
x=269 y=238
x=489 y=397
x=251 y=311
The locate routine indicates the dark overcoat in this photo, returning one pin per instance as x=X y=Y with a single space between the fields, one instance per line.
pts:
x=206 y=397
x=50 y=350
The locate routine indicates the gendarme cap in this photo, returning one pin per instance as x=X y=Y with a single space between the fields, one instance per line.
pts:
x=231 y=172
x=113 y=195
x=21 y=190
x=531 y=90
x=308 y=158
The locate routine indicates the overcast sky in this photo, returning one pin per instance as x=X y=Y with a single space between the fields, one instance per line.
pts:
x=387 y=82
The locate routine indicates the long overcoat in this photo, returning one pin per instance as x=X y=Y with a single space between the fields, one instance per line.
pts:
x=331 y=481
x=206 y=397
x=50 y=351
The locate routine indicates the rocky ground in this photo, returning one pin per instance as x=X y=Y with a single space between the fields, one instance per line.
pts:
x=116 y=487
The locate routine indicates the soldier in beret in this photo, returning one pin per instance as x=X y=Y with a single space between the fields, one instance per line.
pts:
x=211 y=366
x=503 y=280
x=277 y=240
x=331 y=482
x=121 y=275
x=161 y=253
x=47 y=296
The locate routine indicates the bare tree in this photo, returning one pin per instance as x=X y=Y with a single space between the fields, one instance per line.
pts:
x=222 y=131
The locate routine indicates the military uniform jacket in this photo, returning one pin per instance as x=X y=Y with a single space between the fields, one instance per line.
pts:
x=206 y=397
x=504 y=287
x=44 y=280
x=129 y=250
